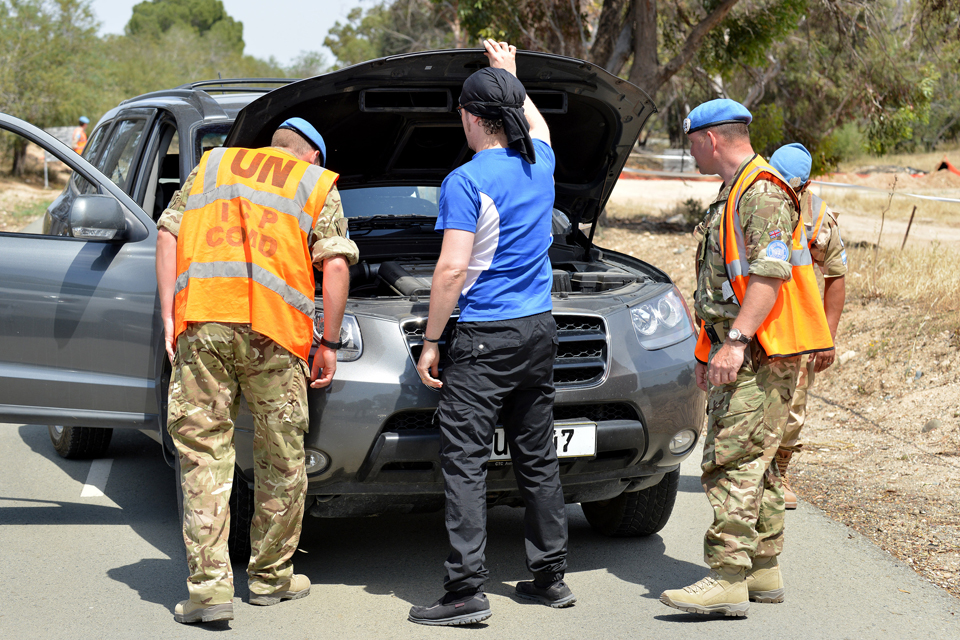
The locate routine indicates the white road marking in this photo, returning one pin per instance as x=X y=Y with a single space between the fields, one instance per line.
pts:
x=96 y=479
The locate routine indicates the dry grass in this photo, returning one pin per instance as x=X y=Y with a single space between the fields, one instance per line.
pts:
x=925 y=278
x=871 y=204
x=926 y=161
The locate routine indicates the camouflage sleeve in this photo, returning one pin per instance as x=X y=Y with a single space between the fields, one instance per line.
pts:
x=768 y=218
x=330 y=236
x=172 y=215
x=828 y=251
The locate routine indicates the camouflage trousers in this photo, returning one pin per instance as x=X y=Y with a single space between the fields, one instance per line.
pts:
x=212 y=363
x=798 y=407
x=745 y=421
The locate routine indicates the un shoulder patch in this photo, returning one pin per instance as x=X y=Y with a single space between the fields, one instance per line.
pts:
x=778 y=250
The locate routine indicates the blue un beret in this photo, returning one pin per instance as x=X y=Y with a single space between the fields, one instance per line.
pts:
x=307 y=130
x=714 y=112
x=793 y=161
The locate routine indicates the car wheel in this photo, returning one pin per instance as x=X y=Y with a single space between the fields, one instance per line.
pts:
x=241 y=517
x=641 y=513
x=80 y=442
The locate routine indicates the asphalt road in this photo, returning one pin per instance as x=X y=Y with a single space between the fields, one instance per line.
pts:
x=112 y=566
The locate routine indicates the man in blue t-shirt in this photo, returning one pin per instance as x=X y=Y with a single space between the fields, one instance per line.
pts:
x=496 y=219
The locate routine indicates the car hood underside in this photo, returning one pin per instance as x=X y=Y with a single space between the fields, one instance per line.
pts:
x=393 y=121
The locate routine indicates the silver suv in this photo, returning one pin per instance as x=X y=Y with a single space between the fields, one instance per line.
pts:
x=80 y=333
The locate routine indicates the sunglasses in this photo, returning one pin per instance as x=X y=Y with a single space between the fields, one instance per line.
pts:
x=461 y=107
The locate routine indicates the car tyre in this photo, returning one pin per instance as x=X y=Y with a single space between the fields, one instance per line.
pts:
x=640 y=513
x=75 y=443
x=241 y=517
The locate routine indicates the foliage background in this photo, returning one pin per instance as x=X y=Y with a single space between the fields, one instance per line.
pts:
x=843 y=77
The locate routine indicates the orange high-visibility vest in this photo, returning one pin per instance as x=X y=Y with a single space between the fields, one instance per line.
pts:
x=797 y=323
x=813 y=208
x=242 y=252
x=79 y=139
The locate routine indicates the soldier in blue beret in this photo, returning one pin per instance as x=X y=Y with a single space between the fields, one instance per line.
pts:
x=794 y=162
x=716 y=113
x=747 y=362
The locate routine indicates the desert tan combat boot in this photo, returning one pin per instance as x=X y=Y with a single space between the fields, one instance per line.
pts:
x=722 y=591
x=783 y=461
x=764 y=581
x=297 y=587
x=189 y=612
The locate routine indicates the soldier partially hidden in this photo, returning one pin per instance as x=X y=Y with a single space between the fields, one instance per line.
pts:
x=793 y=161
x=235 y=257
x=759 y=308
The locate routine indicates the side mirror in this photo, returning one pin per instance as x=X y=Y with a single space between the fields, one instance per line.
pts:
x=96 y=217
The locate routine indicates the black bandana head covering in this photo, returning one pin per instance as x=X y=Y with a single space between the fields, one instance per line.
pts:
x=495 y=94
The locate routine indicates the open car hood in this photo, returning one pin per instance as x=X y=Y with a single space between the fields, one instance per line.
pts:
x=393 y=121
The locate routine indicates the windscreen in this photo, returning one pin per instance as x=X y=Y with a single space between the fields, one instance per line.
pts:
x=390 y=201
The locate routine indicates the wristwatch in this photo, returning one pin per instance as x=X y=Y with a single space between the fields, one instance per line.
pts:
x=331 y=345
x=737 y=336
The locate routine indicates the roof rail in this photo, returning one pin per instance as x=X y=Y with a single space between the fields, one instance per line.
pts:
x=238 y=85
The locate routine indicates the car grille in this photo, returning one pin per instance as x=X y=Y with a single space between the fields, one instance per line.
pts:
x=429 y=421
x=581 y=355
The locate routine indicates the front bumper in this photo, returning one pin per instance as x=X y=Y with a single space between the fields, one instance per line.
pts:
x=375 y=424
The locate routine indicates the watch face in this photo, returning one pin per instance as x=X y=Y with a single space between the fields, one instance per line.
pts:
x=735 y=334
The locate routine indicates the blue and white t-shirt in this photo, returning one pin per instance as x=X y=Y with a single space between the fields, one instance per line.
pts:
x=508 y=204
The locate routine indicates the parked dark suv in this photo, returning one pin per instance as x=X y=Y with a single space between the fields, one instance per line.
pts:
x=81 y=339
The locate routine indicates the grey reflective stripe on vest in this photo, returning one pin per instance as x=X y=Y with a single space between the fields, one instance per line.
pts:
x=202 y=270
x=307 y=184
x=213 y=168
x=259 y=198
x=739 y=267
x=817 y=211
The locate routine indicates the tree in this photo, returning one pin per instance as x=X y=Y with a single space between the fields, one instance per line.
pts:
x=308 y=64
x=851 y=61
x=391 y=28
x=48 y=55
x=152 y=18
x=557 y=26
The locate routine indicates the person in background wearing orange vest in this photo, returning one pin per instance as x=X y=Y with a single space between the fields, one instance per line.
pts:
x=235 y=258
x=793 y=161
x=80 y=135
x=759 y=309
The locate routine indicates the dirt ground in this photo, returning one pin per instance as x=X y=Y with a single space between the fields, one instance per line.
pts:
x=882 y=440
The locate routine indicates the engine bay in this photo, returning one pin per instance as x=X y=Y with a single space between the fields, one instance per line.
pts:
x=412 y=278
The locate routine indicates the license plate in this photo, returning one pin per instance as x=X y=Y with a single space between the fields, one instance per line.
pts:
x=573 y=440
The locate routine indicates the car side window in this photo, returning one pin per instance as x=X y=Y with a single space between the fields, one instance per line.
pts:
x=118 y=154
x=90 y=151
x=24 y=203
x=81 y=184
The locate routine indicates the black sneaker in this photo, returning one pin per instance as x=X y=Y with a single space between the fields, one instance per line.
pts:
x=453 y=609
x=557 y=595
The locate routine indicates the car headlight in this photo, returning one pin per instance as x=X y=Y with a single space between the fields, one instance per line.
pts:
x=349 y=335
x=662 y=322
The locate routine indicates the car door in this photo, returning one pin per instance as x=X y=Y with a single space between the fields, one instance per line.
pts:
x=80 y=334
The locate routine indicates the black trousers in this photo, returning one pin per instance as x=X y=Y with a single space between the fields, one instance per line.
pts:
x=501 y=370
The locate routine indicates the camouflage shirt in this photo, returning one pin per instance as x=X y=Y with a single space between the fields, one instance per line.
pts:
x=767 y=215
x=827 y=251
x=328 y=238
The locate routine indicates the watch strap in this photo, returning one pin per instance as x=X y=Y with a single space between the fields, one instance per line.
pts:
x=331 y=345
